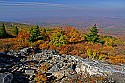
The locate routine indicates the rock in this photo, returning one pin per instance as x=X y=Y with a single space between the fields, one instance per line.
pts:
x=78 y=70
x=29 y=71
x=117 y=77
x=2 y=54
x=55 y=68
x=74 y=66
x=98 y=68
x=58 y=75
x=6 y=77
x=12 y=53
x=61 y=67
x=19 y=77
x=26 y=51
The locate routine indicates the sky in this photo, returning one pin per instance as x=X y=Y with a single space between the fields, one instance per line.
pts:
x=26 y=9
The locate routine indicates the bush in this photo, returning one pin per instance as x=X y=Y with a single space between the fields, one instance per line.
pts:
x=93 y=54
x=109 y=40
x=58 y=38
x=73 y=34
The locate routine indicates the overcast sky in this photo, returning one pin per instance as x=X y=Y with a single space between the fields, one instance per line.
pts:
x=21 y=9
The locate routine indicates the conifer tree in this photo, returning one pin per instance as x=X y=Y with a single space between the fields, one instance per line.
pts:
x=3 y=33
x=16 y=30
x=35 y=34
x=93 y=35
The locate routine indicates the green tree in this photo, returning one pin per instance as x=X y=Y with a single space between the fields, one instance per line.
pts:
x=93 y=35
x=3 y=33
x=35 y=34
x=58 y=38
x=16 y=30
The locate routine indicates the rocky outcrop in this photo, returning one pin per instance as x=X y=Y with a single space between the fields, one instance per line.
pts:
x=22 y=66
x=6 y=77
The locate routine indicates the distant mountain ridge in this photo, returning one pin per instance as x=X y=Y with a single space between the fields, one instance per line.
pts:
x=10 y=24
x=103 y=22
x=84 y=22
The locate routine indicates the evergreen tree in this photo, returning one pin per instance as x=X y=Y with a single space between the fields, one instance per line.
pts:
x=16 y=30
x=93 y=35
x=3 y=33
x=35 y=34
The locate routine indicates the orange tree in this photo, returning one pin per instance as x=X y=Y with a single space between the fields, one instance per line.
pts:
x=22 y=40
x=72 y=34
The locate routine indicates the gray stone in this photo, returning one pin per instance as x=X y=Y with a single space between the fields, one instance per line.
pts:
x=117 y=77
x=54 y=68
x=59 y=74
x=12 y=52
x=62 y=65
x=30 y=71
x=26 y=51
x=6 y=77
x=98 y=68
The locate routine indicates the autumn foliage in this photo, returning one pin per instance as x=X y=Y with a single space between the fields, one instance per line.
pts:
x=67 y=40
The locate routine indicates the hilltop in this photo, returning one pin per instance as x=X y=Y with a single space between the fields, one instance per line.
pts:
x=60 y=54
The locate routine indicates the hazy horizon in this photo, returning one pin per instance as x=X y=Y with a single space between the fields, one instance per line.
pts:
x=30 y=9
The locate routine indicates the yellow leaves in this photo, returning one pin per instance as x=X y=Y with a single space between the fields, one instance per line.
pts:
x=109 y=40
x=92 y=54
x=44 y=45
x=95 y=54
x=37 y=43
x=23 y=35
x=40 y=78
x=72 y=34
x=68 y=40
x=102 y=57
x=44 y=67
x=117 y=59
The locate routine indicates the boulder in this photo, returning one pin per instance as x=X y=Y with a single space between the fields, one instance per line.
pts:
x=117 y=78
x=6 y=77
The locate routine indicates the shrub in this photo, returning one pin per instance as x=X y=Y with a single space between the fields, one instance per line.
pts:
x=94 y=54
x=58 y=38
x=117 y=59
x=109 y=40
x=72 y=34
x=44 y=45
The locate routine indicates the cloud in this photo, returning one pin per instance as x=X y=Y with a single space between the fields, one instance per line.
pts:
x=41 y=4
x=10 y=3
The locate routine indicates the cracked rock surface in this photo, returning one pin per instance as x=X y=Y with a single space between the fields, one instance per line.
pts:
x=21 y=67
